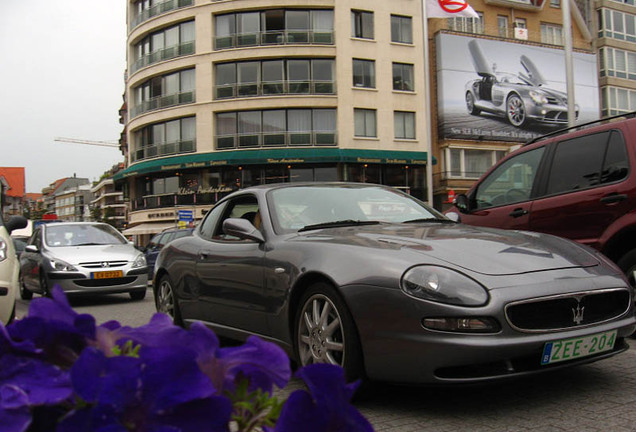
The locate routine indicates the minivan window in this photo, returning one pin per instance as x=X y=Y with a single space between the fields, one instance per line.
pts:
x=590 y=161
x=511 y=182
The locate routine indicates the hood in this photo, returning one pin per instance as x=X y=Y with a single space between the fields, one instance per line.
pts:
x=481 y=250
x=75 y=255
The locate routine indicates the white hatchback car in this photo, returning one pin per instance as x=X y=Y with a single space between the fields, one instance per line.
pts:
x=9 y=268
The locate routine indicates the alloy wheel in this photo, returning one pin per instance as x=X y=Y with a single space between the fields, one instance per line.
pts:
x=320 y=333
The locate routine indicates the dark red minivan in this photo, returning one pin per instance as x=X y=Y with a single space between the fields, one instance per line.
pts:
x=577 y=183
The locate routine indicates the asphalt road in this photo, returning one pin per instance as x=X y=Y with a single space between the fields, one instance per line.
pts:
x=595 y=397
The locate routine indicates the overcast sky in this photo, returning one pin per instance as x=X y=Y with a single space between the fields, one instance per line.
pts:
x=62 y=72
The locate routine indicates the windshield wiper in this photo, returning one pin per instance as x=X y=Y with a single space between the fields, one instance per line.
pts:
x=338 y=224
x=430 y=220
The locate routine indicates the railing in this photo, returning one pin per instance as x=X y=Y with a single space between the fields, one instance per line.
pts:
x=171 y=200
x=276 y=139
x=159 y=9
x=174 y=51
x=166 y=101
x=279 y=37
x=269 y=88
x=164 y=149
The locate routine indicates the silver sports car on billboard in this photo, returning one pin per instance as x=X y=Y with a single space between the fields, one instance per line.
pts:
x=521 y=98
x=369 y=278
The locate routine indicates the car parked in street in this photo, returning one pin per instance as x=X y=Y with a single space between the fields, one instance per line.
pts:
x=82 y=258
x=158 y=241
x=578 y=183
x=9 y=267
x=19 y=243
x=370 y=278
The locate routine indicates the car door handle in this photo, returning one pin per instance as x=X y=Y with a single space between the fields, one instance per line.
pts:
x=518 y=212
x=613 y=198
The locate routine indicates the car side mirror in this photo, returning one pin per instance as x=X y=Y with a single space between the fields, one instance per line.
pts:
x=16 y=222
x=461 y=202
x=242 y=229
x=31 y=248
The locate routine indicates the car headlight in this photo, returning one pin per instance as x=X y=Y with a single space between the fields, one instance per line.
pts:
x=140 y=261
x=4 y=248
x=538 y=98
x=443 y=285
x=63 y=266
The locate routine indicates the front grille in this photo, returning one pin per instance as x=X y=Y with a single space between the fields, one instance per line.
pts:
x=568 y=311
x=103 y=264
x=94 y=283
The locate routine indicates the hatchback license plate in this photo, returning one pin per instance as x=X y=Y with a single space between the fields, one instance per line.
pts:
x=107 y=274
x=571 y=349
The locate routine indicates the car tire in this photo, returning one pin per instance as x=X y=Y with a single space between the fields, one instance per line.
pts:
x=166 y=301
x=334 y=340
x=44 y=286
x=470 y=104
x=138 y=295
x=627 y=264
x=25 y=294
x=516 y=111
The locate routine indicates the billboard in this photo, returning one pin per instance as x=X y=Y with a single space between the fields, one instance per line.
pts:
x=503 y=91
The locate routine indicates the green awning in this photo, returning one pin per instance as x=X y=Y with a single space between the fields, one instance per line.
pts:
x=273 y=156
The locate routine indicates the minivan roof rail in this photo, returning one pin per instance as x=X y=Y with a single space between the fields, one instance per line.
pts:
x=582 y=126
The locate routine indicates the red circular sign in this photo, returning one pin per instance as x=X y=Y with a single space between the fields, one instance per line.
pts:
x=452 y=6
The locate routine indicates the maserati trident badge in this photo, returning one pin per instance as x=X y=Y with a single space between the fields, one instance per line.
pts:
x=578 y=313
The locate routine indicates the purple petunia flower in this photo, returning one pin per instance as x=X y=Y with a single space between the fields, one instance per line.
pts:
x=163 y=389
x=326 y=407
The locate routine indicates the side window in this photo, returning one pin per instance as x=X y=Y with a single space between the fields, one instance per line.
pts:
x=165 y=239
x=511 y=182
x=577 y=163
x=36 y=238
x=616 y=164
x=154 y=241
x=245 y=207
x=208 y=226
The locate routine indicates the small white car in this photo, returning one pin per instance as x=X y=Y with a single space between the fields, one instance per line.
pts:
x=9 y=268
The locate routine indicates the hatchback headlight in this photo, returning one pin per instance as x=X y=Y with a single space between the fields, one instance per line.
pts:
x=63 y=266
x=443 y=285
x=4 y=249
x=140 y=261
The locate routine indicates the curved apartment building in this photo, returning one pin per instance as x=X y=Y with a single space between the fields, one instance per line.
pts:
x=227 y=94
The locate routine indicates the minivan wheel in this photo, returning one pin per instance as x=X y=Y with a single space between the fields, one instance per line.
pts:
x=25 y=294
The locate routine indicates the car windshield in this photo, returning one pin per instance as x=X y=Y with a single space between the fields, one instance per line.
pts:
x=62 y=235
x=295 y=208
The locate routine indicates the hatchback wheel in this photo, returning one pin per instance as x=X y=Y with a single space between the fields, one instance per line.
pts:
x=44 y=285
x=166 y=301
x=325 y=331
x=138 y=295
x=25 y=294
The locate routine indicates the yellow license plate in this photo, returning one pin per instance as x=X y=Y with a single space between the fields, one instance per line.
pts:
x=571 y=349
x=107 y=274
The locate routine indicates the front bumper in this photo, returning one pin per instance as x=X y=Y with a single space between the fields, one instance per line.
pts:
x=398 y=348
x=549 y=113
x=82 y=283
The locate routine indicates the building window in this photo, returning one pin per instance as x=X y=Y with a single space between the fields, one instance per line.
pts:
x=273 y=27
x=401 y=29
x=271 y=77
x=404 y=124
x=502 y=26
x=467 y=25
x=552 y=34
x=164 y=91
x=617 y=63
x=364 y=73
x=616 y=100
x=557 y=3
x=470 y=163
x=362 y=24
x=146 y=9
x=166 y=138
x=617 y=25
x=276 y=128
x=627 y=2
x=166 y=44
x=365 y=123
x=403 y=77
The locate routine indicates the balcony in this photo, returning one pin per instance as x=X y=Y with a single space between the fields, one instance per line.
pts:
x=163 y=149
x=278 y=37
x=174 y=51
x=159 y=9
x=276 y=139
x=177 y=199
x=273 y=88
x=166 y=101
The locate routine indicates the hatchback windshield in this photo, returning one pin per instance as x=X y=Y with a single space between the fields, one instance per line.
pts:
x=295 y=208
x=82 y=235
